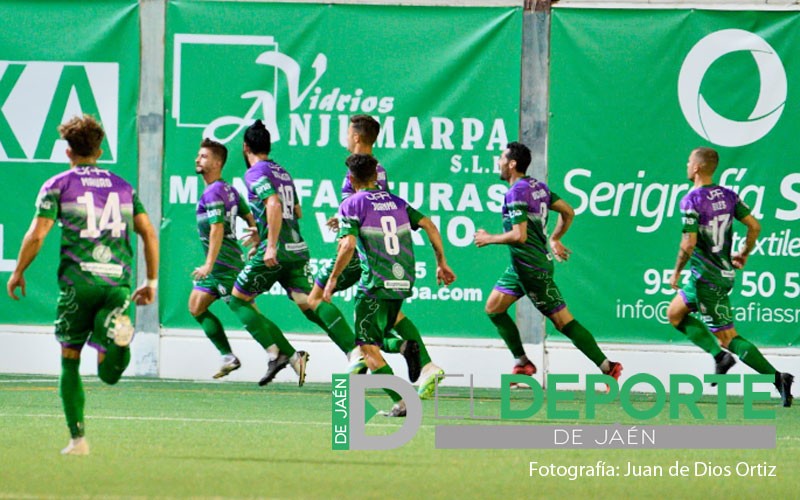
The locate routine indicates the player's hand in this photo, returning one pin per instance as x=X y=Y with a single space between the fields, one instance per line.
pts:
x=202 y=271
x=251 y=239
x=738 y=260
x=330 y=289
x=333 y=224
x=560 y=252
x=252 y=252
x=444 y=275
x=144 y=295
x=14 y=282
x=271 y=256
x=674 y=281
x=482 y=238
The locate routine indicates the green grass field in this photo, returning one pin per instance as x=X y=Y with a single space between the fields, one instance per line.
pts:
x=170 y=439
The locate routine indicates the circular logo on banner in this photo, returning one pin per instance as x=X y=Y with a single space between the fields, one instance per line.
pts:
x=771 y=97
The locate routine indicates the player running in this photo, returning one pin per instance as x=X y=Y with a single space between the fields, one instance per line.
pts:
x=708 y=213
x=379 y=225
x=96 y=210
x=217 y=210
x=525 y=210
x=361 y=136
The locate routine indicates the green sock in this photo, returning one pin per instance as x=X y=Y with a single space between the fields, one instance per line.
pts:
x=330 y=318
x=214 y=331
x=392 y=344
x=750 y=355
x=262 y=329
x=508 y=332
x=408 y=331
x=70 y=388
x=116 y=360
x=584 y=341
x=387 y=370
x=698 y=333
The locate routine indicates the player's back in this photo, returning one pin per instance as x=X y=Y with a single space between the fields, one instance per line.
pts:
x=95 y=208
x=713 y=209
x=384 y=242
x=529 y=199
x=267 y=178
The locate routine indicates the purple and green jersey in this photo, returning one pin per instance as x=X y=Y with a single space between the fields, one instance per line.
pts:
x=221 y=204
x=263 y=180
x=529 y=200
x=95 y=209
x=382 y=224
x=709 y=211
x=382 y=182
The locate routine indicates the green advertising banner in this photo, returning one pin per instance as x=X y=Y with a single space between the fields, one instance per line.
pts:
x=443 y=83
x=58 y=58
x=632 y=93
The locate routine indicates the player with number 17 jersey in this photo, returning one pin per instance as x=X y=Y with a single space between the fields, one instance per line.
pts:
x=709 y=211
x=95 y=208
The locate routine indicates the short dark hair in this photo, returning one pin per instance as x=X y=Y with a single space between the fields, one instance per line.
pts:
x=521 y=154
x=217 y=149
x=84 y=135
x=364 y=168
x=367 y=127
x=257 y=138
x=708 y=157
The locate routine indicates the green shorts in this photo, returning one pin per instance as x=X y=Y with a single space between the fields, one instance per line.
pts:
x=348 y=278
x=257 y=278
x=374 y=318
x=87 y=312
x=539 y=286
x=220 y=285
x=711 y=301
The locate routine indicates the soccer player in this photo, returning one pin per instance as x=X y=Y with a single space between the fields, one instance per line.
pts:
x=217 y=210
x=361 y=136
x=282 y=256
x=97 y=210
x=379 y=224
x=708 y=212
x=525 y=210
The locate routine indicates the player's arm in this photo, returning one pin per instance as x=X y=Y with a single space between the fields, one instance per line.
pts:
x=31 y=244
x=298 y=212
x=215 y=236
x=274 y=223
x=146 y=293
x=517 y=236
x=691 y=223
x=344 y=253
x=251 y=239
x=565 y=217
x=753 y=230
x=444 y=275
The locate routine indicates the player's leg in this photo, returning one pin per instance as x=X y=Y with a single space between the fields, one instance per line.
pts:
x=507 y=290
x=545 y=295
x=254 y=279
x=72 y=329
x=200 y=299
x=112 y=334
x=717 y=307
x=325 y=314
x=752 y=357
x=407 y=341
x=678 y=313
x=73 y=399
x=373 y=319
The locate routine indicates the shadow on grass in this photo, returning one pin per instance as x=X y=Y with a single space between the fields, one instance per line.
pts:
x=300 y=461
